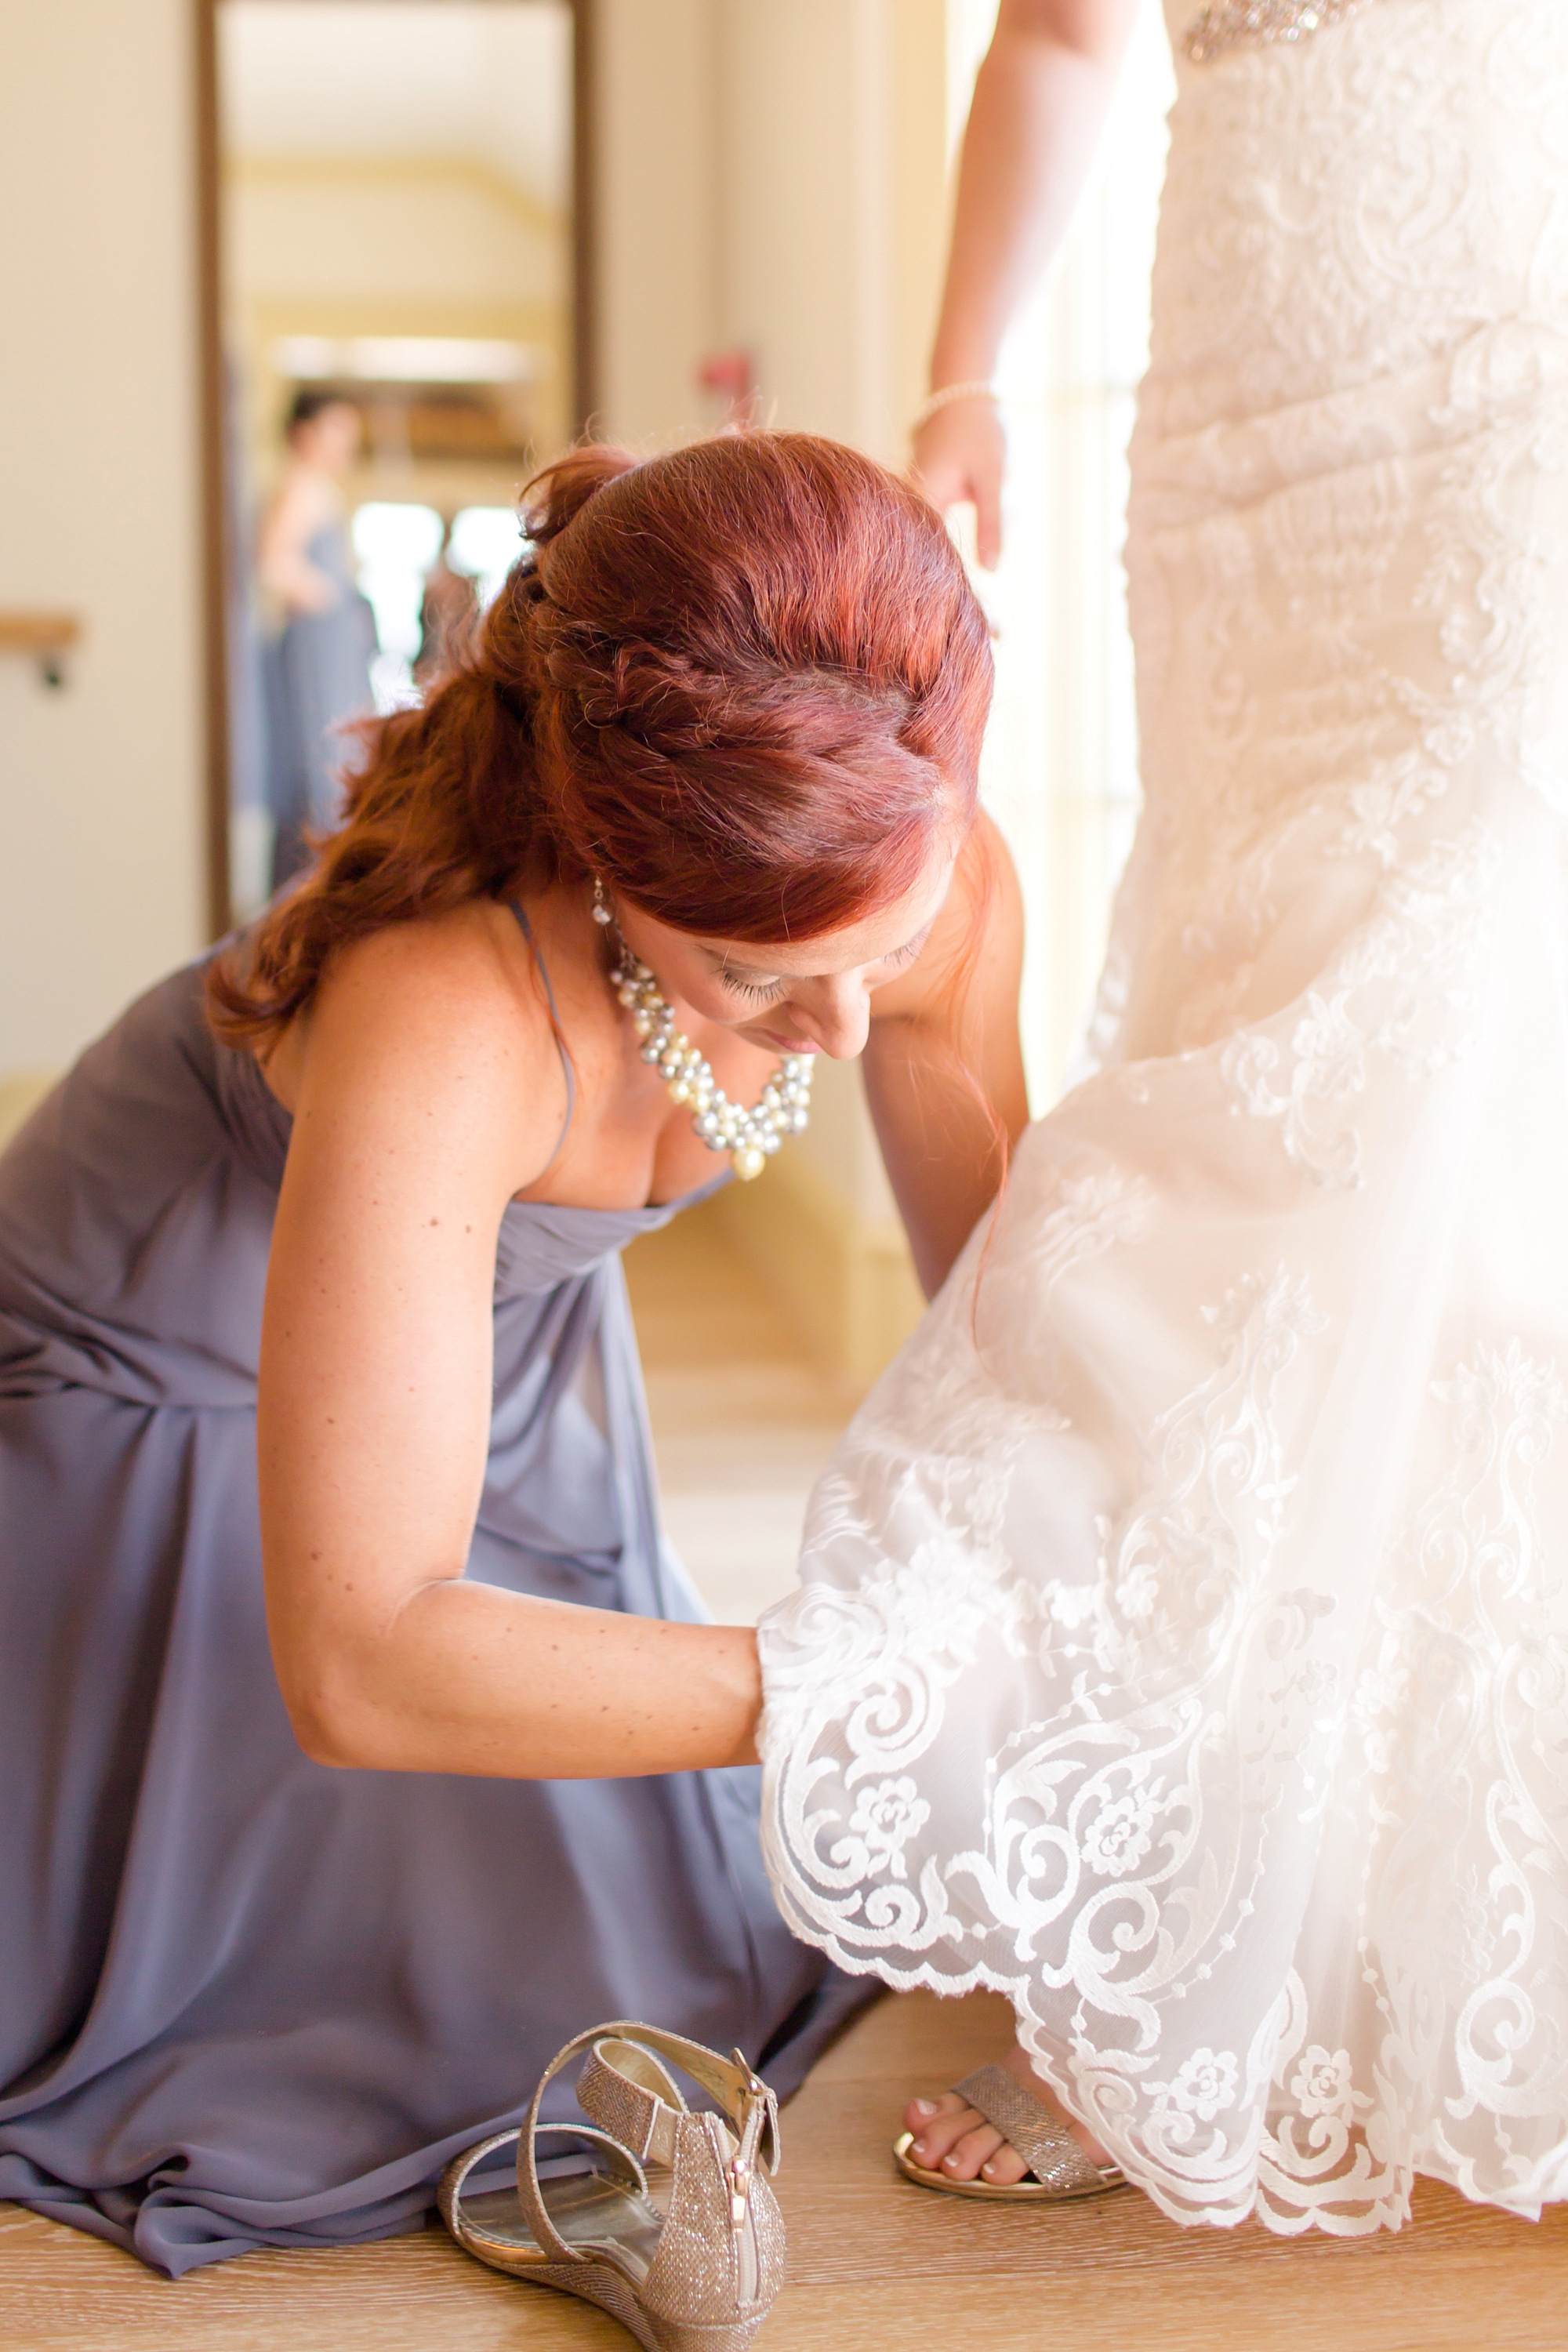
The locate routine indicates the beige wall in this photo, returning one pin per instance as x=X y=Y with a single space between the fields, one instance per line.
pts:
x=772 y=175
x=656 y=194
x=100 y=818
x=831 y=140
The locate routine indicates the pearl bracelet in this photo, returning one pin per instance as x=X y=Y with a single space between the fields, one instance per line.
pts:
x=938 y=401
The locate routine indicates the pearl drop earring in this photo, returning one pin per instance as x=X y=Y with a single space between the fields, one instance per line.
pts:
x=602 y=913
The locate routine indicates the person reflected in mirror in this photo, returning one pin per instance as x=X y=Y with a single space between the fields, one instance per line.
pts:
x=319 y=662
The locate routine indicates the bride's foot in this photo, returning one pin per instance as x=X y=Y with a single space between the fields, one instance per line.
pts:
x=951 y=2138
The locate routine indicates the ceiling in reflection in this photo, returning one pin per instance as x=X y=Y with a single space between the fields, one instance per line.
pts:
x=400 y=78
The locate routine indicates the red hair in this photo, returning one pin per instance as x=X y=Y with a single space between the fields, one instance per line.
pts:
x=744 y=683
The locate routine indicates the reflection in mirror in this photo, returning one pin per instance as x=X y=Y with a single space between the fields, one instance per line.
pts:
x=397 y=237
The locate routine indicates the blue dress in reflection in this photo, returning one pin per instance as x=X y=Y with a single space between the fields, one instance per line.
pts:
x=317 y=677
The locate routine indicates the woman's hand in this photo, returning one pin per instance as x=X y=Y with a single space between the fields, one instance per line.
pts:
x=960 y=456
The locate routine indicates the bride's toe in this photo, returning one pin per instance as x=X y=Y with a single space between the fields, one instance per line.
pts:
x=937 y=2125
x=1006 y=2169
x=968 y=2157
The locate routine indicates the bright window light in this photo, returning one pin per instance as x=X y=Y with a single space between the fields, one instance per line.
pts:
x=1060 y=764
x=407 y=359
x=395 y=544
x=485 y=543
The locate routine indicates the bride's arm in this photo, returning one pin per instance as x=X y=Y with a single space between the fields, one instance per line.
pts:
x=944 y=1070
x=425 y=1097
x=1040 y=98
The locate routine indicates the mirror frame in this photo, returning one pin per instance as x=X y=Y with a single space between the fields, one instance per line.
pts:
x=215 y=550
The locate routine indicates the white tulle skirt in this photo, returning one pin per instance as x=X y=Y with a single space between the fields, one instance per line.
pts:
x=1182 y=1643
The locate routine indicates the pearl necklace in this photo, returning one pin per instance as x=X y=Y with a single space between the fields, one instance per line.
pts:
x=749 y=1137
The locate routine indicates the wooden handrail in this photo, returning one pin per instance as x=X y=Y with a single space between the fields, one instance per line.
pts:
x=43 y=637
x=38 y=632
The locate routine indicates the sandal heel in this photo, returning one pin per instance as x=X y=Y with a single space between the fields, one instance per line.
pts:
x=692 y=2267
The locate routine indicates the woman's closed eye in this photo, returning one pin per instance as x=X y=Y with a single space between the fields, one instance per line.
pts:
x=901 y=956
x=761 y=991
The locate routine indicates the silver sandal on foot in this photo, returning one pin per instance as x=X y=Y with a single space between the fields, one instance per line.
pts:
x=689 y=2261
x=1058 y=2168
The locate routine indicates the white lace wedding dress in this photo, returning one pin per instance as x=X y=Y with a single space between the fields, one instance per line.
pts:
x=1183 y=1645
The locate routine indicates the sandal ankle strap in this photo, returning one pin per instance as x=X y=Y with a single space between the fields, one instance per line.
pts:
x=647 y=2119
x=643 y=2114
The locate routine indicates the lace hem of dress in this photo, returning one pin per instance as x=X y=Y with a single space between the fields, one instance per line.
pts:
x=1226 y=24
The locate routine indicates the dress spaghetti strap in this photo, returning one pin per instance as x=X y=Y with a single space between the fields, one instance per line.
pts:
x=536 y=953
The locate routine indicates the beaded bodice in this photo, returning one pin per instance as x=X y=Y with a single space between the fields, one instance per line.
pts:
x=1226 y=24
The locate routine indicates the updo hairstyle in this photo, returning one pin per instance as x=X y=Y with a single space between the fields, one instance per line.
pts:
x=743 y=683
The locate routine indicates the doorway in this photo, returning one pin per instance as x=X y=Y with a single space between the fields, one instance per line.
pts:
x=396 y=314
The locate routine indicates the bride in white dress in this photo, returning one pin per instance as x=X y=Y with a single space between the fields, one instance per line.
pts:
x=1182 y=1647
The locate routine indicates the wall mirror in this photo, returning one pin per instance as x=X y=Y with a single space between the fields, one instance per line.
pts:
x=397 y=340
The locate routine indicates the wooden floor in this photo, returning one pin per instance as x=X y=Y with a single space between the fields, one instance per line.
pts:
x=874 y=2263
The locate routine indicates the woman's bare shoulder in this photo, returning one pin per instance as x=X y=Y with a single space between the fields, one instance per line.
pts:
x=441 y=1018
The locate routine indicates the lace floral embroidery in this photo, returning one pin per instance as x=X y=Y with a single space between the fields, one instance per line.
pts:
x=1460 y=1719
x=1405 y=988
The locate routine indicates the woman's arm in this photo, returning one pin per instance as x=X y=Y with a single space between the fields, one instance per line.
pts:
x=1040 y=99
x=429 y=1091
x=282 y=565
x=944 y=1070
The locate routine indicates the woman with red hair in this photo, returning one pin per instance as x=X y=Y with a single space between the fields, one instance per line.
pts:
x=282 y=1928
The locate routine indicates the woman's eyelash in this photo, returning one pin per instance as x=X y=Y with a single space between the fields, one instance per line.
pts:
x=759 y=988
x=762 y=990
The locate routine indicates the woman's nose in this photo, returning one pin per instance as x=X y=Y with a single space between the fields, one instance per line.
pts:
x=838 y=1019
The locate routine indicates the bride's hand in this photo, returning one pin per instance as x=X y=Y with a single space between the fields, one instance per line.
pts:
x=960 y=457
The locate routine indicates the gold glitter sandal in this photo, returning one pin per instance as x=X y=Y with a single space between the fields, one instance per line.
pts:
x=666 y=2222
x=1058 y=2168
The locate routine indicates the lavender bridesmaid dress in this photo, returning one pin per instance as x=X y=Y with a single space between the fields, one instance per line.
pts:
x=246 y=2000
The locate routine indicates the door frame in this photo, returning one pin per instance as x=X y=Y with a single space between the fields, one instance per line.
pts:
x=215 y=552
